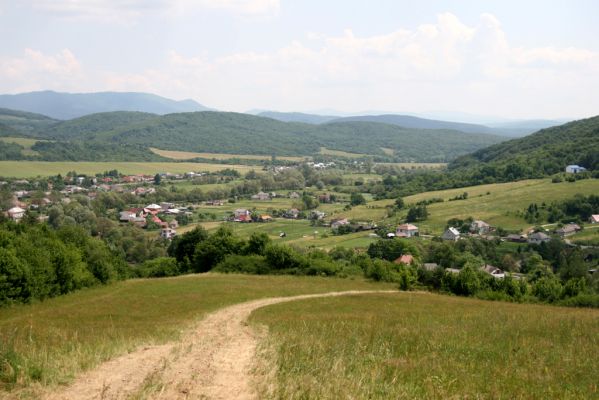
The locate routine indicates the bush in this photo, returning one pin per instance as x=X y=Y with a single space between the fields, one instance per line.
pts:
x=159 y=267
x=250 y=264
x=581 y=300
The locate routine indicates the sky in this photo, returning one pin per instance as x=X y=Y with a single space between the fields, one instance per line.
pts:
x=509 y=59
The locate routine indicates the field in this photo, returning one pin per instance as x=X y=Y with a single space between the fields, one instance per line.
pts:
x=50 y=342
x=25 y=142
x=427 y=346
x=187 y=155
x=27 y=169
x=338 y=153
x=497 y=204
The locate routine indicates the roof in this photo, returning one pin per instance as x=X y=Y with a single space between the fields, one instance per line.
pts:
x=480 y=223
x=595 y=218
x=430 y=266
x=153 y=206
x=407 y=227
x=491 y=269
x=453 y=231
x=16 y=210
x=404 y=259
x=539 y=235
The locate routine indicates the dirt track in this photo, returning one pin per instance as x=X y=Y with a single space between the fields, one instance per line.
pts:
x=212 y=361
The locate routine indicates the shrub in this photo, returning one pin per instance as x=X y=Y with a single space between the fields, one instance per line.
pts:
x=250 y=264
x=159 y=267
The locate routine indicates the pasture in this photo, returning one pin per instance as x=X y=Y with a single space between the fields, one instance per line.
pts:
x=428 y=346
x=28 y=169
x=49 y=343
x=498 y=204
x=25 y=142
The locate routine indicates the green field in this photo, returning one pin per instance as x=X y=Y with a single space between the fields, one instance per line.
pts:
x=28 y=169
x=427 y=346
x=338 y=153
x=25 y=142
x=49 y=343
x=497 y=204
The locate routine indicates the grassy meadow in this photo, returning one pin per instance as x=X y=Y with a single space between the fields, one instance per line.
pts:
x=28 y=169
x=25 y=142
x=427 y=346
x=498 y=204
x=49 y=343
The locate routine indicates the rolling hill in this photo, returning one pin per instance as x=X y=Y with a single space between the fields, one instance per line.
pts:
x=297 y=117
x=72 y=105
x=234 y=133
x=23 y=123
x=545 y=152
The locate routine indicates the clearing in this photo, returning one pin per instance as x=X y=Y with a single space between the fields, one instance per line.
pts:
x=188 y=155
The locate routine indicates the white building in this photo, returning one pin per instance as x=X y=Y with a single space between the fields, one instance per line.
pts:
x=574 y=169
x=451 y=234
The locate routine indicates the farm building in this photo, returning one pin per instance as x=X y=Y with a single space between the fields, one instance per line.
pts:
x=568 y=230
x=451 y=234
x=16 y=213
x=538 y=238
x=480 y=227
x=574 y=169
x=493 y=271
x=594 y=219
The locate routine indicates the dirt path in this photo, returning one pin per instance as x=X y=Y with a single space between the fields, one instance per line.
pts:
x=212 y=361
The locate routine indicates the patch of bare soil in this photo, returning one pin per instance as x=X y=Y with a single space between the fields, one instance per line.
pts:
x=212 y=361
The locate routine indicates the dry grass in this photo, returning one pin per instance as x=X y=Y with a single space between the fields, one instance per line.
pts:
x=48 y=343
x=426 y=346
x=188 y=155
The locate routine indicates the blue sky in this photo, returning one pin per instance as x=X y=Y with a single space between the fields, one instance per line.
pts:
x=513 y=59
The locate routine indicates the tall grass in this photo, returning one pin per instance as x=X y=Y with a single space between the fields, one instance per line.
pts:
x=49 y=343
x=426 y=346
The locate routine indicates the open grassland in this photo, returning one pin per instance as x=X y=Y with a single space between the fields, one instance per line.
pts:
x=497 y=204
x=188 y=155
x=50 y=342
x=27 y=169
x=426 y=346
x=415 y=165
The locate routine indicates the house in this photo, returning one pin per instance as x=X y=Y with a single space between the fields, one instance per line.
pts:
x=406 y=259
x=215 y=203
x=512 y=237
x=430 y=266
x=324 y=198
x=156 y=220
x=241 y=212
x=538 y=238
x=261 y=196
x=568 y=230
x=480 y=227
x=406 y=230
x=452 y=270
x=292 y=213
x=165 y=206
x=594 y=219
x=152 y=208
x=16 y=213
x=173 y=224
x=574 y=169
x=451 y=234
x=493 y=271
x=317 y=215
x=126 y=216
x=337 y=223
x=294 y=195
x=265 y=218
x=167 y=233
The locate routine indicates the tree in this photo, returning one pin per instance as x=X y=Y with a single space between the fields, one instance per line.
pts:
x=417 y=213
x=356 y=199
x=399 y=203
x=213 y=250
x=157 y=179
x=257 y=243
x=183 y=247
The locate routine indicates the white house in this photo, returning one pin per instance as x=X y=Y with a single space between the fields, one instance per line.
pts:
x=594 y=219
x=406 y=230
x=574 y=169
x=451 y=234
x=338 y=223
x=16 y=213
x=261 y=196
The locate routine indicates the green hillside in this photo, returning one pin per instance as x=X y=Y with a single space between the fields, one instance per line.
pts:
x=543 y=153
x=13 y=122
x=129 y=135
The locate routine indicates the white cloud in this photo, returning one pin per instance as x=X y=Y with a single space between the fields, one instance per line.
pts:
x=442 y=65
x=130 y=10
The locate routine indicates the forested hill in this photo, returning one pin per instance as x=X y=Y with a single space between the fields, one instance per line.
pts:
x=72 y=105
x=24 y=122
x=233 y=133
x=408 y=121
x=545 y=152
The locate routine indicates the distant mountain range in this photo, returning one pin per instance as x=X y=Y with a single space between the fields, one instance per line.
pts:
x=512 y=129
x=73 y=105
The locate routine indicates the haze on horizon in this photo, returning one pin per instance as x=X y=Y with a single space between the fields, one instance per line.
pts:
x=533 y=59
